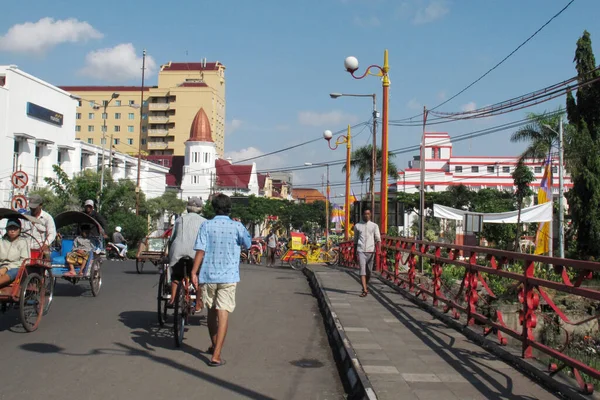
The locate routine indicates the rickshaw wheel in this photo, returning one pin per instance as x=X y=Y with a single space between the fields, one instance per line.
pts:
x=49 y=282
x=162 y=303
x=139 y=266
x=95 y=278
x=298 y=261
x=332 y=258
x=179 y=315
x=31 y=301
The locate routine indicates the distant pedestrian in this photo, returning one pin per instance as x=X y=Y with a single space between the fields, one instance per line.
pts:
x=218 y=261
x=367 y=241
x=271 y=248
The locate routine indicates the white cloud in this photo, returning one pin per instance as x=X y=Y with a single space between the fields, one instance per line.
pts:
x=434 y=10
x=413 y=104
x=328 y=119
x=470 y=106
x=263 y=163
x=41 y=36
x=233 y=125
x=116 y=64
x=369 y=22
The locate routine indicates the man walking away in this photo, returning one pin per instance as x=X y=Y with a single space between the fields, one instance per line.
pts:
x=41 y=236
x=271 y=248
x=218 y=251
x=366 y=242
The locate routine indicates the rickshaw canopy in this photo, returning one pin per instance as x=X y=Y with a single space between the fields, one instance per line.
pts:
x=75 y=217
x=8 y=213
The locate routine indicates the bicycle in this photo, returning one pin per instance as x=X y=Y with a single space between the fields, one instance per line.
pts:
x=184 y=304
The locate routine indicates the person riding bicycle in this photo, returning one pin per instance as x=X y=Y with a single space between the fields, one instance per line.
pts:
x=120 y=242
x=181 y=244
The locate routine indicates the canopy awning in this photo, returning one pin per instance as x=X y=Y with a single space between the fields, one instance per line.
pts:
x=539 y=213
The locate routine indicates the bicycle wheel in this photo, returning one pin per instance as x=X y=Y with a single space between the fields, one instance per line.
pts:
x=332 y=257
x=179 y=315
x=31 y=301
x=298 y=261
x=139 y=266
x=49 y=282
x=95 y=278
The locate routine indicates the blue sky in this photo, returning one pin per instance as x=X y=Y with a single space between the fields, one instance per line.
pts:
x=283 y=58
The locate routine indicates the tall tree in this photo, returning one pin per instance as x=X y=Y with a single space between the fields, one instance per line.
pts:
x=539 y=138
x=584 y=140
x=361 y=162
x=522 y=177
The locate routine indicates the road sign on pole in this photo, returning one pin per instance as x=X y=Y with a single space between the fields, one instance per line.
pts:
x=19 y=179
x=19 y=203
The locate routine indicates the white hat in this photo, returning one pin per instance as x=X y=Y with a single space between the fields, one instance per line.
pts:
x=89 y=203
x=118 y=229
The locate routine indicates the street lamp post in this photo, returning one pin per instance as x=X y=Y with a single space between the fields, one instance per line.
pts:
x=105 y=116
x=561 y=207
x=351 y=65
x=374 y=146
x=327 y=135
x=326 y=204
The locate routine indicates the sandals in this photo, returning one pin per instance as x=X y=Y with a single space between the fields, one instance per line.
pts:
x=364 y=293
x=217 y=363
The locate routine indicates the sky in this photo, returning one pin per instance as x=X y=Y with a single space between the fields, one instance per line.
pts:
x=283 y=58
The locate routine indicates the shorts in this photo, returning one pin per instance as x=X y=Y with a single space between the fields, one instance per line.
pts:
x=12 y=273
x=77 y=259
x=366 y=262
x=182 y=268
x=219 y=295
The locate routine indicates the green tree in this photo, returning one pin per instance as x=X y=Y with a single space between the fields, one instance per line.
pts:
x=584 y=141
x=167 y=204
x=522 y=177
x=496 y=201
x=540 y=140
x=361 y=162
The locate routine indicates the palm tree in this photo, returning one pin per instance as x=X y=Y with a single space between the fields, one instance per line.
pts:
x=361 y=162
x=540 y=139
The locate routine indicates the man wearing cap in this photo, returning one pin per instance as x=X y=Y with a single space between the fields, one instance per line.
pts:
x=43 y=234
x=88 y=208
x=182 y=242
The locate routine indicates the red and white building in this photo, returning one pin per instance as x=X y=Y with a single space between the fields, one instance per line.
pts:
x=443 y=169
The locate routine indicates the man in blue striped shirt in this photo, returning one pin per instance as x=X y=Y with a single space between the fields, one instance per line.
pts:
x=218 y=252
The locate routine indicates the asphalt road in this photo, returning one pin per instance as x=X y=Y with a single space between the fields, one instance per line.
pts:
x=111 y=347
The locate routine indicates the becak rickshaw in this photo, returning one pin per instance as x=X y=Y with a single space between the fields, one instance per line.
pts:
x=29 y=290
x=70 y=260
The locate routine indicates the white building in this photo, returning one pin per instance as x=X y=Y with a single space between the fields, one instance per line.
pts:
x=37 y=131
x=443 y=169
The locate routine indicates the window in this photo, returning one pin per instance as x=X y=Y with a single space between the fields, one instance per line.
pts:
x=116 y=141
x=77 y=128
x=506 y=170
x=554 y=169
x=537 y=170
x=205 y=157
x=117 y=128
x=144 y=116
x=104 y=102
x=90 y=140
x=103 y=128
x=131 y=102
x=490 y=169
x=474 y=169
x=78 y=116
x=130 y=129
x=103 y=141
x=90 y=128
x=129 y=141
x=92 y=104
x=117 y=115
x=118 y=103
x=144 y=129
x=104 y=115
x=131 y=116
x=143 y=141
x=79 y=103
x=433 y=153
x=90 y=115
x=458 y=169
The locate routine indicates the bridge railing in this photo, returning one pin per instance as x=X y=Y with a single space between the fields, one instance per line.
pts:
x=533 y=279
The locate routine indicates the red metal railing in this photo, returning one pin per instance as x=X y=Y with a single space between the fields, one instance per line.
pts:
x=398 y=261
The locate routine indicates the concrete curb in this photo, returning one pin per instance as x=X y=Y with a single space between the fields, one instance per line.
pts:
x=533 y=369
x=358 y=385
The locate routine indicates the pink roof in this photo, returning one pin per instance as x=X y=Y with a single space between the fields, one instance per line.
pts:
x=194 y=66
x=232 y=176
x=262 y=179
x=200 y=129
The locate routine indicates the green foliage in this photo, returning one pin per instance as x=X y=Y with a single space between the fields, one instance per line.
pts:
x=583 y=139
x=362 y=159
x=167 y=204
x=540 y=140
x=135 y=227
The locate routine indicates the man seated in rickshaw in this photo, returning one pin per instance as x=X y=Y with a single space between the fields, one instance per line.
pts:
x=82 y=247
x=14 y=249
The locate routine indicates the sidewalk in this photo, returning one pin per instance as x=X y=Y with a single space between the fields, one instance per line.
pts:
x=407 y=354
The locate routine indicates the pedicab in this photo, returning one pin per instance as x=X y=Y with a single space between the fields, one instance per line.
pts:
x=30 y=292
x=69 y=225
x=151 y=249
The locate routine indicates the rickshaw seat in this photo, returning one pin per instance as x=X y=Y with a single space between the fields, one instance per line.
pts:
x=59 y=257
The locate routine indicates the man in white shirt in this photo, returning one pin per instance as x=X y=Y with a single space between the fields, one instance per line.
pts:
x=40 y=236
x=366 y=243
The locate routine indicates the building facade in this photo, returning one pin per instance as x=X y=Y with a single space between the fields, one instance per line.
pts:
x=37 y=129
x=166 y=113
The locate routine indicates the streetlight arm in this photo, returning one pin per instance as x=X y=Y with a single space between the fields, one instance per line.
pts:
x=342 y=139
x=368 y=72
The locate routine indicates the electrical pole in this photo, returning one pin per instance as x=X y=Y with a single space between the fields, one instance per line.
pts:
x=422 y=187
x=104 y=117
x=561 y=211
x=139 y=160
x=374 y=159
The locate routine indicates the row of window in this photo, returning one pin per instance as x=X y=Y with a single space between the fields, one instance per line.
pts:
x=105 y=116
x=105 y=102
x=117 y=128
x=115 y=141
x=505 y=170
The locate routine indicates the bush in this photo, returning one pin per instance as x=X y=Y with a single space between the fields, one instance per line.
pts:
x=135 y=227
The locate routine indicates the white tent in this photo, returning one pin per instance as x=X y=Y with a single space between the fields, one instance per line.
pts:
x=539 y=213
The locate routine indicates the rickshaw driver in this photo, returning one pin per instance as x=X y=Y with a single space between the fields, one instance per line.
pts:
x=88 y=208
x=14 y=249
x=42 y=235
